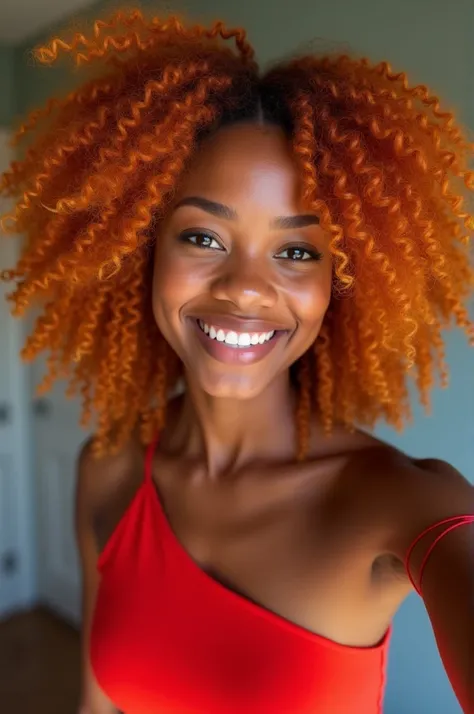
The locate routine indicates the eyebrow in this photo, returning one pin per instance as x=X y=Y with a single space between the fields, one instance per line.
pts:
x=221 y=211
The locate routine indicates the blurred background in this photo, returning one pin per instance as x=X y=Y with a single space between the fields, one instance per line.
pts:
x=39 y=437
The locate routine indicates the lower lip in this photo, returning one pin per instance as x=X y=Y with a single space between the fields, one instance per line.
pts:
x=236 y=355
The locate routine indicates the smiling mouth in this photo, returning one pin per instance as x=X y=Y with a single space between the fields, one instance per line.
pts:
x=222 y=339
x=237 y=340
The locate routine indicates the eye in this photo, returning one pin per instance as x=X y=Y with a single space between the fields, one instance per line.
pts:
x=297 y=253
x=201 y=240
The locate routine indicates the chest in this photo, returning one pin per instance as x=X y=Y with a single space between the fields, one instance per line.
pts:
x=231 y=610
x=300 y=554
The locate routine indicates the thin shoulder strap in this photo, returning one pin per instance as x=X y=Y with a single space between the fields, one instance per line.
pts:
x=150 y=451
x=460 y=521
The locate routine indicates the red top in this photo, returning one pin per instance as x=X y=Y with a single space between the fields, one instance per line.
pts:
x=168 y=638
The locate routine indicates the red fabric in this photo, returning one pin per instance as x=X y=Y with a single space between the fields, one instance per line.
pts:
x=168 y=638
x=463 y=520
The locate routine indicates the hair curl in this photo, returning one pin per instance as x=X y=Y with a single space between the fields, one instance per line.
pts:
x=380 y=162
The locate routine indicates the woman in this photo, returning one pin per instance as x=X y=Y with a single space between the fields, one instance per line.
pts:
x=291 y=246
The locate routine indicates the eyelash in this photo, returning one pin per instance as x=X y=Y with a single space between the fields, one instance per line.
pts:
x=312 y=252
x=186 y=238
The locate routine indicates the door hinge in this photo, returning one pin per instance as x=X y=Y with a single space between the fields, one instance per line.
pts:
x=9 y=563
x=5 y=414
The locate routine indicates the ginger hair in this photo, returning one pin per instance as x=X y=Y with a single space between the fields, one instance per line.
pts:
x=384 y=167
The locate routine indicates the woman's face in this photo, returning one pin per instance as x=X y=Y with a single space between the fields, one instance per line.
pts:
x=242 y=275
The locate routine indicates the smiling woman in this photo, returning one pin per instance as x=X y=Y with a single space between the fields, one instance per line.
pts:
x=243 y=258
x=291 y=245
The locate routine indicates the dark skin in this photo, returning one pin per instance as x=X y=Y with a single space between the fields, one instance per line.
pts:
x=320 y=543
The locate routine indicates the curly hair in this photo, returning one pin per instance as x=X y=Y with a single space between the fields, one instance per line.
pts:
x=383 y=166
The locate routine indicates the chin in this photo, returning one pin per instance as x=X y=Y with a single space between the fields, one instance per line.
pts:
x=228 y=386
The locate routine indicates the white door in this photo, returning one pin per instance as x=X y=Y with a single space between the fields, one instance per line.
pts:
x=57 y=438
x=17 y=557
x=57 y=441
x=54 y=441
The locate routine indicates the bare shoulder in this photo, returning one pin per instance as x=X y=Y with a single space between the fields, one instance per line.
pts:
x=414 y=494
x=105 y=484
x=98 y=476
x=397 y=494
x=395 y=474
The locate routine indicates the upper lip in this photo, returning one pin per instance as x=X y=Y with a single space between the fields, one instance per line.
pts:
x=239 y=324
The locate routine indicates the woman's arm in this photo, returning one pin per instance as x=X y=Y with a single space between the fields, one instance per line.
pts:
x=93 y=700
x=435 y=491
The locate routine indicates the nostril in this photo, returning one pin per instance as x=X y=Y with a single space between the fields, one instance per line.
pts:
x=245 y=291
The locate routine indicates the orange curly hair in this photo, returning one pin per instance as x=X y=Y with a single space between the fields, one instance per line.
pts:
x=382 y=165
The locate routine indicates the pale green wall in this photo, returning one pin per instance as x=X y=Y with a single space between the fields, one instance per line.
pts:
x=432 y=40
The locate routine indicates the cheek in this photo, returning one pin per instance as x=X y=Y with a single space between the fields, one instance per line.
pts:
x=175 y=284
x=167 y=278
x=311 y=300
x=164 y=292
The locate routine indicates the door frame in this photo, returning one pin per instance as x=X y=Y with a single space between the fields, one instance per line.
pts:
x=22 y=446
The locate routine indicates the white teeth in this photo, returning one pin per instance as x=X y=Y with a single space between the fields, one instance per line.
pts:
x=244 y=339
x=241 y=339
x=232 y=338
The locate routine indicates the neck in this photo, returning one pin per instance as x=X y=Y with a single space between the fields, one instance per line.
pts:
x=227 y=433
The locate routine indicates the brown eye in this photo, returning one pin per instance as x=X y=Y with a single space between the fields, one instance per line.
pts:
x=201 y=240
x=298 y=253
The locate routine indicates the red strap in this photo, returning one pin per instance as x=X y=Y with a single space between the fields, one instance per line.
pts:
x=462 y=521
x=149 y=461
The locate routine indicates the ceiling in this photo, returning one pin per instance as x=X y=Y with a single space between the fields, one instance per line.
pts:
x=20 y=19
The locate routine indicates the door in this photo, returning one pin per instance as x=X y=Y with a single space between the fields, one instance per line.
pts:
x=57 y=439
x=54 y=441
x=17 y=586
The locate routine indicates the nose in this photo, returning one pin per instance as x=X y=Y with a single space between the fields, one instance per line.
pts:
x=246 y=285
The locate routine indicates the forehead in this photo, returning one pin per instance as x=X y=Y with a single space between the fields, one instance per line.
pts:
x=247 y=164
